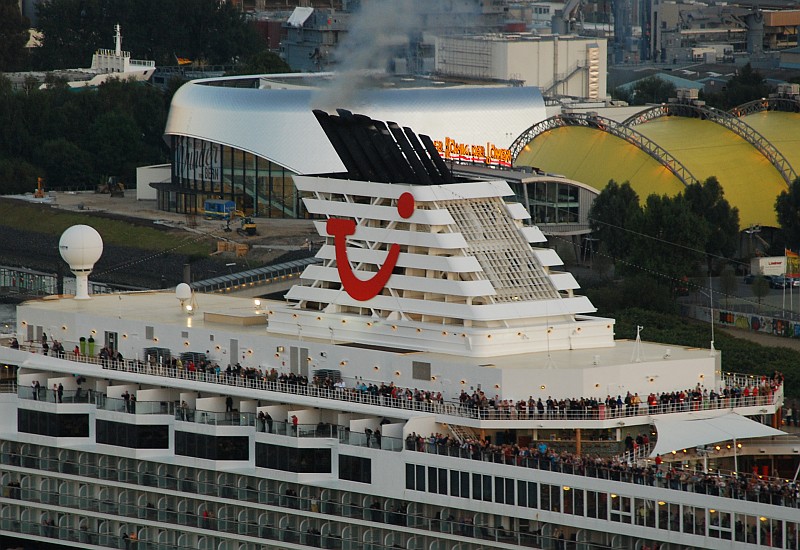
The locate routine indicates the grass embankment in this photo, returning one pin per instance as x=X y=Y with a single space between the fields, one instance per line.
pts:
x=115 y=232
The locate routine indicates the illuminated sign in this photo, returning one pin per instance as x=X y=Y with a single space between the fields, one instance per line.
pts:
x=340 y=229
x=487 y=153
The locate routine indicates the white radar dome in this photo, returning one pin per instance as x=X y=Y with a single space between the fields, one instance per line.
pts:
x=81 y=246
x=183 y=292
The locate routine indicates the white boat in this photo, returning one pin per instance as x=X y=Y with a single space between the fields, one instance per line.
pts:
x=108 y=64
x=426 y=286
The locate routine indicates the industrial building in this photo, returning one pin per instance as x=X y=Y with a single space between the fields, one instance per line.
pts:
x=560 y=65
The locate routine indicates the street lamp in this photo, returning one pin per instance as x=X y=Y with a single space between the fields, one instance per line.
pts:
x=753 y=230
x=710 y=295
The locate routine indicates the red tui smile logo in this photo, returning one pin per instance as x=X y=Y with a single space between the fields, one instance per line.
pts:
x=340 y=229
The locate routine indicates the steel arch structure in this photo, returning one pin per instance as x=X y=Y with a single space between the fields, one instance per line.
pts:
x=725 y=119
x=783 y=104
x=592 y=120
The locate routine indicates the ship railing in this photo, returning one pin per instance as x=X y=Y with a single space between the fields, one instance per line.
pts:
x=461 y=527
x=52 y=395
x=737 y=485
x=81 y=395
x=769 y=395
x=638 y=455
x=603 y=412
x=141 y=63
x=685 y=480
x=379 y=511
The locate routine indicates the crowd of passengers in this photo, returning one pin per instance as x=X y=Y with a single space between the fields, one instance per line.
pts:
x=631 y=404
x=658 y=474
x=479 y=404
x=292 y=380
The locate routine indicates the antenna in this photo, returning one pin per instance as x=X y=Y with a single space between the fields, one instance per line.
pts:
x=637 y=348
x=712 y=351
x=550 y=364
x=117 y=40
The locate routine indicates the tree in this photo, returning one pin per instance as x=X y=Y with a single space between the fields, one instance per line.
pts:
x=707 y=200
x=13 y=36
x=760 y=288
x=17 y=177
x=66 y=166
x=648 y=90
x=265 y=62
x=746 y=85
x=209 y=30
x=613 y=213
x=787 y=206
x=116 y=141
x=728 y=283
x=670 y=238
x=72 y=137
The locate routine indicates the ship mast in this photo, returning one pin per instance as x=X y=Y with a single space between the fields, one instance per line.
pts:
x=117 y=40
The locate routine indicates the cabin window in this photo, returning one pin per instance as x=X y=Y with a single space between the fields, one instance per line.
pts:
x=355 y=468
x=52 y=424
x=133 y=436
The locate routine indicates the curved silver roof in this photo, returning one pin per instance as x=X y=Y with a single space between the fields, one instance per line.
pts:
x=278 y=125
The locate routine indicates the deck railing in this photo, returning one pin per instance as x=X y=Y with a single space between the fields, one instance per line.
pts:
x=250 y=379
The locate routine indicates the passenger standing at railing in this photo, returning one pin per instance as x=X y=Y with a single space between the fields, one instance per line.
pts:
x=790 y=414
x=14 y=343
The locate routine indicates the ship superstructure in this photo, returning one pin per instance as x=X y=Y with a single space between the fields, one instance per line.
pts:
x=337 y=418
x=107 y=64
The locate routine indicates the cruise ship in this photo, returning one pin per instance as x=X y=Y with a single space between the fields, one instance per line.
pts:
x=433 y=382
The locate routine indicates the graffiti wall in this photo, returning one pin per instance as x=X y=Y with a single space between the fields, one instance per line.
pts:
x=749 y=321
x=759 y=323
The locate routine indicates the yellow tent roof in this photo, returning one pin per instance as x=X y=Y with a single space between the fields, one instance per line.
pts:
x=707 y=149
x=782 y=130
x=594 y=157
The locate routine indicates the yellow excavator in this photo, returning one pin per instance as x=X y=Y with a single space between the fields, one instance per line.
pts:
x=247 y=227
x=112 y=186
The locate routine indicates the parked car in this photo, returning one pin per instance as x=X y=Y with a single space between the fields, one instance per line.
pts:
x=779 y=281
x=748 y=279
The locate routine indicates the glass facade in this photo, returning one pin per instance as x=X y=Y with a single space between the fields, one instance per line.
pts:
x=203 y=170
x=554 y=202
